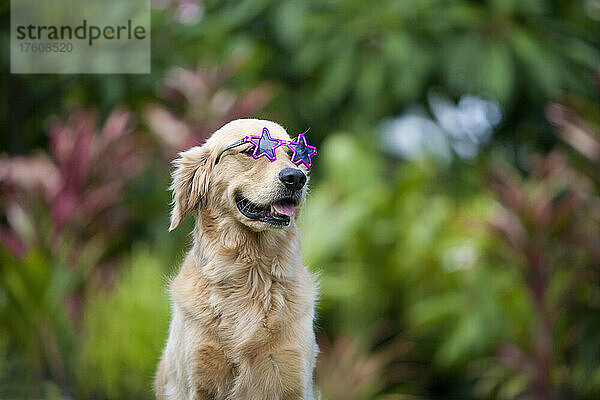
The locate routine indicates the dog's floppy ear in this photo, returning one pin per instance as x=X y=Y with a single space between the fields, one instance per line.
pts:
x=190 y=182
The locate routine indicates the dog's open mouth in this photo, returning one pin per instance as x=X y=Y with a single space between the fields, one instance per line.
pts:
x=278 y=213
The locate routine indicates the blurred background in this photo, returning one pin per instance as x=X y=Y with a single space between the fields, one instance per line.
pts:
x=454 y=215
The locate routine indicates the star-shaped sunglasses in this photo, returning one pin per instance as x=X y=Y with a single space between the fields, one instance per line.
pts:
x=265 y=145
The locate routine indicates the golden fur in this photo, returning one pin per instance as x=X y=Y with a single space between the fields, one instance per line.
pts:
x=242 y=302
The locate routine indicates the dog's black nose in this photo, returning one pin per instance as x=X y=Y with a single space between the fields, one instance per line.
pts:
x=292 y=178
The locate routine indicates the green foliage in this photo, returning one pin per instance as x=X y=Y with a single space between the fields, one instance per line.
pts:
x=124 y=331
x=37 y=332
x=350 y=59
x=398 y=248
x=387 y=227
x=360 y=61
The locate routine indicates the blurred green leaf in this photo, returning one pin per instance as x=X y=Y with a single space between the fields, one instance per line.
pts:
x=124 y=331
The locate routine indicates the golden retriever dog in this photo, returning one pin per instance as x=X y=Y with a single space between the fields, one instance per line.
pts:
x=242 y=302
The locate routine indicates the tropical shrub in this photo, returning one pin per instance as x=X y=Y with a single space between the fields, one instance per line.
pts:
x=124 y=330
x=62 y=213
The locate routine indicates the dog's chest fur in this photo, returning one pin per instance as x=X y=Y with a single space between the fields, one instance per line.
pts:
x=250 y=311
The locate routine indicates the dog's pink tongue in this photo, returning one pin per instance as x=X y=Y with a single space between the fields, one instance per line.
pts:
x=285 y=209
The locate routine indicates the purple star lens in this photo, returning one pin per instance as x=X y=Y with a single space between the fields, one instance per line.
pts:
x=265 y=145
x=302 y=151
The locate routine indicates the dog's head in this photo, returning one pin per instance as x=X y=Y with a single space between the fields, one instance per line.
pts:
x=229 y=181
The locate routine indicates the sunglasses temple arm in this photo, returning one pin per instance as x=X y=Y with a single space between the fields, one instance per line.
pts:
x=231 y=146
